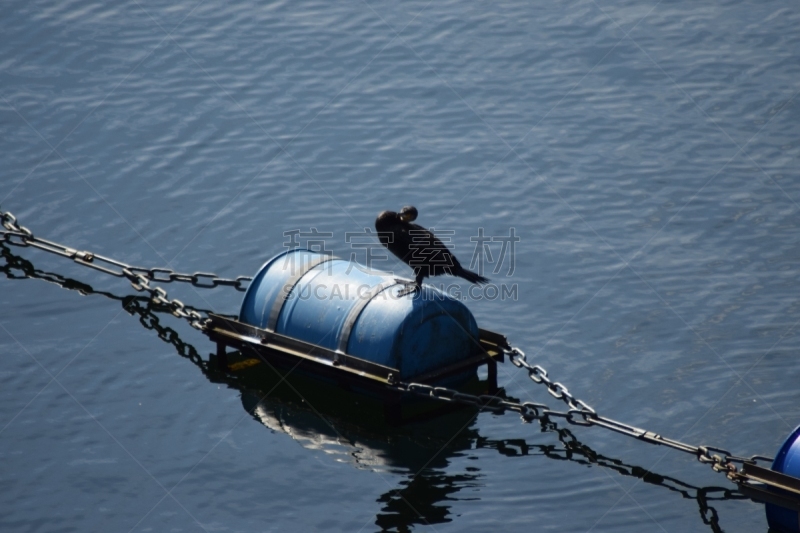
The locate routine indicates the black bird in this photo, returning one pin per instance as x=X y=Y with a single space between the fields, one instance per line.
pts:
x=419 y=248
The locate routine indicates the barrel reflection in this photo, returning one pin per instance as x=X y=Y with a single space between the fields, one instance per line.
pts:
x=351 y=428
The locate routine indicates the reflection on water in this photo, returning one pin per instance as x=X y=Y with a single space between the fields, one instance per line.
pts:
x=422 y=497
x=351 y=429
x=421 y=451
x=417 y=501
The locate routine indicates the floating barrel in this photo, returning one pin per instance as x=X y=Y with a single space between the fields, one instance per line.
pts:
x=787 y=462
x=342 y=306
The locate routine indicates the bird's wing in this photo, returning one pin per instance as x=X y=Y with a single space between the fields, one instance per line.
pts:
x=431 y=247
x=403 y=242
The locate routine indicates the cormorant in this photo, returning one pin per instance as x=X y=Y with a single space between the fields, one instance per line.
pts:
x=419 y=248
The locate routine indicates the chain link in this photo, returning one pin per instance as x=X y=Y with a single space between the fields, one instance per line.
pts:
x=538 y=375
x=21 y=236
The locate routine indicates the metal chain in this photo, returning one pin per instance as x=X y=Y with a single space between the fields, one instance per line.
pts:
x=27 y=270
x=572 y=450
x=16 y=267
x=149 y=319
x=158 y=297
x=21 y=236
x=138 y=277
x=538 y=375
x=529 y=411
x=720 y=460
x=579 y=413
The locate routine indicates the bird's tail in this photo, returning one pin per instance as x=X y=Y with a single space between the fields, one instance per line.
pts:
x=472 y=277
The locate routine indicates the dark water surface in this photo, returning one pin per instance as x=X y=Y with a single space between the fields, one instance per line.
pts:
x=646 y=154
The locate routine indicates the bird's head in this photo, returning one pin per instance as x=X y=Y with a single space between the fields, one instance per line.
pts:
x=408 y=213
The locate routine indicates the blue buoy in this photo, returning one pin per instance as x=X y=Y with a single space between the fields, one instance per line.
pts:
x=787 y=462
x=341 y=306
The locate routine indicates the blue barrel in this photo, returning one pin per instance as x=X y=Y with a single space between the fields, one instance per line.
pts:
x=788 y=462
x=342 y=306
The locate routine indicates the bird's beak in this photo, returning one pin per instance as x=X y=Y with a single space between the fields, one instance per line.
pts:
x=404 y=217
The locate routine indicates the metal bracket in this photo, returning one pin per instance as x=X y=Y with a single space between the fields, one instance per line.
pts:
x=778 y=480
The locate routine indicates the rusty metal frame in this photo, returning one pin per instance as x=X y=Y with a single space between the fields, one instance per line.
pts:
x=341 y=366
